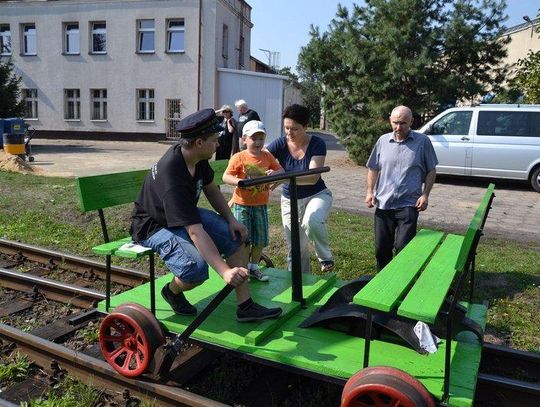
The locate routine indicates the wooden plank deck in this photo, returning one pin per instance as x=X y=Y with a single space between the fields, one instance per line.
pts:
x=319 y=350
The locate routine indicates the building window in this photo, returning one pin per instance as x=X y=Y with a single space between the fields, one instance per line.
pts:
x=72 y=39
x=241 y=52
x=145 y=36
x=145 y=104
x=99 y=38
x=31 y=103
x=175 y=36
x=99 y=104
x=29 y=44
x=72 y=104
x=5 y=39
x=225 y=42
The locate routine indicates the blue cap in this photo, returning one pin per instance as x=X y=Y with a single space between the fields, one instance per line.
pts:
x=196 y=124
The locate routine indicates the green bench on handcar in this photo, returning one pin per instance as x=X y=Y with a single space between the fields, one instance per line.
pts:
x=425 y=281
x=99 y=192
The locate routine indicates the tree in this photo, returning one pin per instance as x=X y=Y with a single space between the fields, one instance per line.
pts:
x=426 y=54
x=11 y=105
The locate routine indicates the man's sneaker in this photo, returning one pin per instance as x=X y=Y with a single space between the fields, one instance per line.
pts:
x=255 y=272
x=256 y=312
x=178 y=302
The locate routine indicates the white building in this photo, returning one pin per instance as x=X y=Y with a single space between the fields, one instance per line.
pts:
x=117 y=68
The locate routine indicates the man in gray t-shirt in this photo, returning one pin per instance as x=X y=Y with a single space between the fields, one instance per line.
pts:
x=401 y=173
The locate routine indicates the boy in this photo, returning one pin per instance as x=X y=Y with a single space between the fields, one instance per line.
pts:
x=187 y=238
x=249 y=205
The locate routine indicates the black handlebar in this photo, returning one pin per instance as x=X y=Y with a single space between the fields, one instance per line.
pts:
x=278 y=177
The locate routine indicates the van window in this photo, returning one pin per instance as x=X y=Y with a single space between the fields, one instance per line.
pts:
x=510 y=124
x=454 y=123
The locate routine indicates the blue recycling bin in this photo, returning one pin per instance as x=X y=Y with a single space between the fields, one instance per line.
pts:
x=13 y=137
x=14 y=126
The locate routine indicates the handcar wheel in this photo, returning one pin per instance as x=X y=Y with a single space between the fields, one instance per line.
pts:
x=267 y=261
x=125 y=342
x=149 y=319
x=382 y=386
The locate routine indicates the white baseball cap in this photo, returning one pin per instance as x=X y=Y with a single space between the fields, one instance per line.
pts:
x=252 y=127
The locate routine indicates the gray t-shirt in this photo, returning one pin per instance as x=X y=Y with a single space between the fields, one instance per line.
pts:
x=402 y=168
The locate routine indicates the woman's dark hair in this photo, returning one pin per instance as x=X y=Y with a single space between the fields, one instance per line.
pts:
x=298 y=113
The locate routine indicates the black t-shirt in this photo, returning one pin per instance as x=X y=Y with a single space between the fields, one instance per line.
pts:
x=169 y=195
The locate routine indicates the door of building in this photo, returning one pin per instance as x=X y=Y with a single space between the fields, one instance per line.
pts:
x=173 y=116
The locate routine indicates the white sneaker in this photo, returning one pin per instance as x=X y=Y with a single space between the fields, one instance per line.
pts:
x=255 y=272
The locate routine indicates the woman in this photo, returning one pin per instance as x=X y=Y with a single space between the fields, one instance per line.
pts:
x=297 y=151
x=226 y=136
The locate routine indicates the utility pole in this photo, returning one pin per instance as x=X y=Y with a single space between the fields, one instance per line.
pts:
x=273 y=58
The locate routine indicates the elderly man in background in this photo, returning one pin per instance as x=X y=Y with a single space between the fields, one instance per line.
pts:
x=245 y=114
x=401 y=173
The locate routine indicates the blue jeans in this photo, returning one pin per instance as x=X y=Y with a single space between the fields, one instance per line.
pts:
x=177 y=250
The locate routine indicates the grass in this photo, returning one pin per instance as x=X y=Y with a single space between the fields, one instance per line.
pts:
x=14 y=370
x=45 y=211
x=69 y=393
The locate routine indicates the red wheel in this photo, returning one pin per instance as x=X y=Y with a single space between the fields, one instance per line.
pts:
x=382 y=386
x=126 y=342
x=157 y=330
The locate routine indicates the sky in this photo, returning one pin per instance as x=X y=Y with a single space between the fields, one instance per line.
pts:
x=282 y=26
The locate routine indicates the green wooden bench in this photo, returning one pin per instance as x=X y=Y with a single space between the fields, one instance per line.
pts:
x=416 y=283
x=105 y=191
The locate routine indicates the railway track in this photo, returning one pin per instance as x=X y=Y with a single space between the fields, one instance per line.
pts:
x=507 y=376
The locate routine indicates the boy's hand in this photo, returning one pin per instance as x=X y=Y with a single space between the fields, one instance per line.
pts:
x=236 y=227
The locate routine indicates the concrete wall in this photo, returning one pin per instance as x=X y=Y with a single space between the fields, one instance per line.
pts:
x=121 y=70
x=263 y=93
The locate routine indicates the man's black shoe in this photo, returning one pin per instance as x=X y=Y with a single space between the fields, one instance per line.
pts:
x=178 y=302
x=256 y=312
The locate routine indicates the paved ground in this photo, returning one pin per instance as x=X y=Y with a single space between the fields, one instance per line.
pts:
x=515 y=213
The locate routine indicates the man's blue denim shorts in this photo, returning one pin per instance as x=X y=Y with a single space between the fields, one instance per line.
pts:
x=177 y=250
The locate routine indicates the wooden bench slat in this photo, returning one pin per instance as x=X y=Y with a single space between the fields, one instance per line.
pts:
x=385 y=290
x=107 y=249
x=426 y=297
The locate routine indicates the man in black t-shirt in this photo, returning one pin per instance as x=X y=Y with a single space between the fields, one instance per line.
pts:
x=188 y=239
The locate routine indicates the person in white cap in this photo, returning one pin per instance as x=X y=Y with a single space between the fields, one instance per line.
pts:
x=250 y=204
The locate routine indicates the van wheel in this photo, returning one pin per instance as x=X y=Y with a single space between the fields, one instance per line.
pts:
x=535 y=179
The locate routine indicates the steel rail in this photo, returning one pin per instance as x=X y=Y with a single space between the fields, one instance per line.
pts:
x=51 y=289
x=497 y=390
x=510 y=362
x=119 y=275
x=94 y=371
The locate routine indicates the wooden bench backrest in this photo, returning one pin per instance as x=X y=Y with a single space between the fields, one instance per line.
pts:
x=103 y=191
x=481 y=214
x=472 y=236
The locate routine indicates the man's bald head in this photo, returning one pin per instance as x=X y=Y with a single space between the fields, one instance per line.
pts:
x=401 y=120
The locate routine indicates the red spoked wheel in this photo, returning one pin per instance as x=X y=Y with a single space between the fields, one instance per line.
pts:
x=157 y=331
x=382 y=386
x=128 y=340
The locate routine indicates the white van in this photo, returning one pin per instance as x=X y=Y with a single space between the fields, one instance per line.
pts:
x=496 y=141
